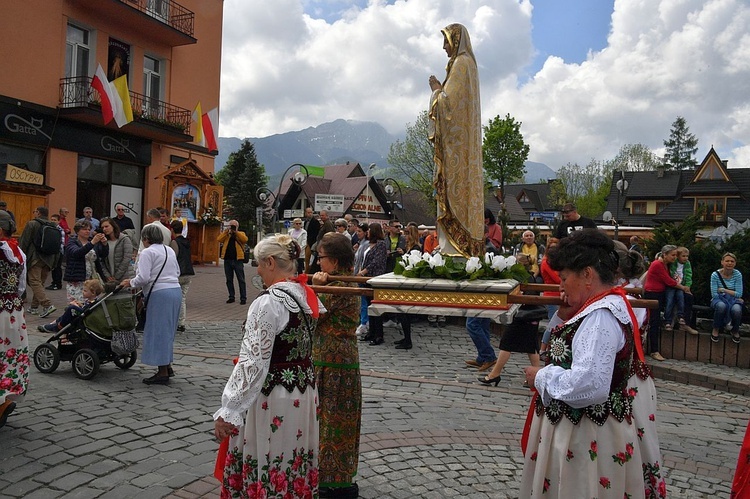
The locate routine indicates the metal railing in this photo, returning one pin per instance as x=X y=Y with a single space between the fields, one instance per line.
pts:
x=77 y=92
x=167 y=11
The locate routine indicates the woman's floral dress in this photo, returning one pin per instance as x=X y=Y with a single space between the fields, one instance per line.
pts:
x=336 y=359
x=271 y=397
x=608 y=450
x=14 y=342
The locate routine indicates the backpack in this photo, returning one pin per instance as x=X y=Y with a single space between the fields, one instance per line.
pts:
x=47 y=239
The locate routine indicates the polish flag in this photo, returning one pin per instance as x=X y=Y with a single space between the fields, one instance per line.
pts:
x=101 y=84
x=210 y=123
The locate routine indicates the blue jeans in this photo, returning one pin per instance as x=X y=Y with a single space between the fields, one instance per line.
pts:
x=363 y=315
x=232 y=268
x=479 y=331
x=720 y=315
x=674 y=296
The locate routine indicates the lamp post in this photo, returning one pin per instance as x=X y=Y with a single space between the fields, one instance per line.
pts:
x=263 y=194
x=390 y=187
x=622 y=188
x=367 y=191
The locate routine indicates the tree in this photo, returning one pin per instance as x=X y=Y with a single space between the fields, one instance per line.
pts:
x=587 y=187
x=413 y=160
x=634 y=158
x=681 y=146
x=504 y=152
x=241 y=177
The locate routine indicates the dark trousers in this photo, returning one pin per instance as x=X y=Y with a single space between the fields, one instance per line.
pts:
x=654 y=319
x=232 y=268
x=57 y=273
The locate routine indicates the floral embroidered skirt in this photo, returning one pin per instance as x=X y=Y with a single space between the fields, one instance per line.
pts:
x=616 y=460
x=14 y=355
x=275 y=454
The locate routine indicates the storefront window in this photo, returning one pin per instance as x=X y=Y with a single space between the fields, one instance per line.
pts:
x=98 y=179
x=130 y=175
x=28 y=159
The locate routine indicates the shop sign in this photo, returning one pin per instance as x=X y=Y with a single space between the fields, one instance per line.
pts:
x=329 y=202
x=367 y=204
x=16 y=174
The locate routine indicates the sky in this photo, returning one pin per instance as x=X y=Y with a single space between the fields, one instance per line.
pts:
x=584 y=77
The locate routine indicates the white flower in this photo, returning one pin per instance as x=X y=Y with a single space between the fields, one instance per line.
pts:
x=436 y=260
x=414 y=257
x=499 y=263
x=473 y=264
x=405 y=260
x=488 y=258
x=510 y=261
x=426 y=257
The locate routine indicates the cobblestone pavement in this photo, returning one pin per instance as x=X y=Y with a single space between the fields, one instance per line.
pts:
x=429 y=428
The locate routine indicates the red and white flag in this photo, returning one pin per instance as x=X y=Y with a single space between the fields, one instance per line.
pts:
x=210 y=122
x=115 y=97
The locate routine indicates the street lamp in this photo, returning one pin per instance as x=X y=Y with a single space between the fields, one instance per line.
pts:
x=367 y=191
x=622 y=188
x=391 y=186
x=263 y=195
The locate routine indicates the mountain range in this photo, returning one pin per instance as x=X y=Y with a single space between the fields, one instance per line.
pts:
x=333 y=143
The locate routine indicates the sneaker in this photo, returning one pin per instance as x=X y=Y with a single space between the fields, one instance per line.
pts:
x=48 y=328
x=53 y=287
x=44 y=312
x=657 y=356
x=33 y=311
x=390 y=323
x=362 y=330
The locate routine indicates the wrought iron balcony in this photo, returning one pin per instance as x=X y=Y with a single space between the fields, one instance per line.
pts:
x=167 y=11
x=77 y=92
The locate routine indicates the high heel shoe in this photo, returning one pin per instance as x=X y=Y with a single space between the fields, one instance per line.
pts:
x=485 y=381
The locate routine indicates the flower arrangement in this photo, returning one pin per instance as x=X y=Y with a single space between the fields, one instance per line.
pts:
x=208 y=217
x=417 y=264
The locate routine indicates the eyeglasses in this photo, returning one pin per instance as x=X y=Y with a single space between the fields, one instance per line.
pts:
x=297 y=223
x=566 y=211
x=320 y=257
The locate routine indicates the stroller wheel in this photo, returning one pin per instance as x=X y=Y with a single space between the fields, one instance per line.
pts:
x=86 y=363
x=126 y=361
x=46 y=358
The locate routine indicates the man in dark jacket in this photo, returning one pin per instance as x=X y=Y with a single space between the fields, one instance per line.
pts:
x=39 y=264
x=185 y=260
x=312 y=226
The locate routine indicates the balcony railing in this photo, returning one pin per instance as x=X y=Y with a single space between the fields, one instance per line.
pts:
x=167 y=11
x=78 y=92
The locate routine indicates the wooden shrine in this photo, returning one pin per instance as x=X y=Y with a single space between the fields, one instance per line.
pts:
x=193 y=196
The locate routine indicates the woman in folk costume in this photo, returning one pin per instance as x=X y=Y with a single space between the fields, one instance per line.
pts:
x=14 y=341
x=456 y=132
x=593 y=430
x=268 y=408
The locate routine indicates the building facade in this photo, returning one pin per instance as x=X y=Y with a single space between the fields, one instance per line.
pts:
x=54 y=147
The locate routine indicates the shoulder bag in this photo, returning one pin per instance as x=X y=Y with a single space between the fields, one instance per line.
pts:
x=144 y=303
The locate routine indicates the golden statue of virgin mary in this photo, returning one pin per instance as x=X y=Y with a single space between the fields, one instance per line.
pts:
x=456 y=132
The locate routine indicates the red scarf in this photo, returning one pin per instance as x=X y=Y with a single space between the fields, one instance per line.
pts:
x=312 y=298
x=13 y=245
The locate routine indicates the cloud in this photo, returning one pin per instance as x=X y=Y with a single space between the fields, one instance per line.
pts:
x=284 y=70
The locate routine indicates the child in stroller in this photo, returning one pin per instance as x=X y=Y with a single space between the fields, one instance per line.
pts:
x=92 y=290
x=101 y=331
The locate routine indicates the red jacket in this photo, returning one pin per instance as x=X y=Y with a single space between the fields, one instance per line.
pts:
x=658 y=278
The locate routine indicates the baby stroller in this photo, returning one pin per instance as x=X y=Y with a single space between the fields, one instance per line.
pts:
x=87 y=340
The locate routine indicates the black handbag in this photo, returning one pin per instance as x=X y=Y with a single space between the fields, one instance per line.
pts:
x=141 y=313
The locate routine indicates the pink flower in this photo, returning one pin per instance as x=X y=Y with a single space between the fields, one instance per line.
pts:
x=301 y=488
x=296 y=402
x=662 y=489
x=264 y=406
x=17 y=389
x=297 y=463
x=299 y=434
x=278 y=480
x=5 y=383
x=235 y=481
x=256 y=491
x=604 y=482
x=651 y=417
x=12 y=319
x=594 y=447
x=277 y=421
x=629 y=449
x=23 y=358
x=533 y=457
x=10 y=353
x=312 y=477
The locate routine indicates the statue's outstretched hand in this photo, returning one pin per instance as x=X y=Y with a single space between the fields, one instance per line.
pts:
x=435 y=83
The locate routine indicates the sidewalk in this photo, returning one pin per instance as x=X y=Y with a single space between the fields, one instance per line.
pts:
x=429 y=429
